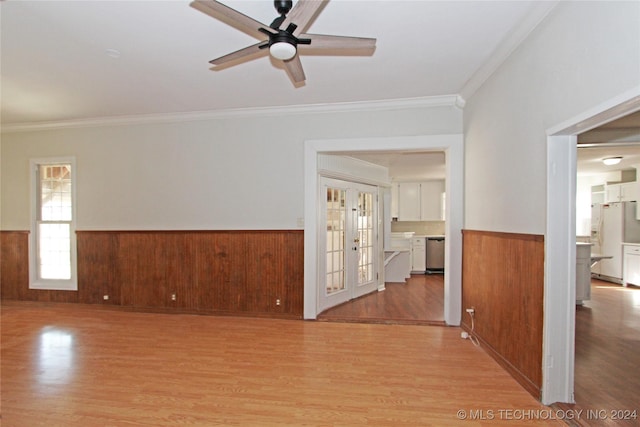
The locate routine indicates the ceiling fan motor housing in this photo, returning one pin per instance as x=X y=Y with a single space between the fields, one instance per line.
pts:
x=283 y=6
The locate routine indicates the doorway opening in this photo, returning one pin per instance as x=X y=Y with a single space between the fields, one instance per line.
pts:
x=606 y=311
x=560 y=243
x=452 y=146
x=411 y=218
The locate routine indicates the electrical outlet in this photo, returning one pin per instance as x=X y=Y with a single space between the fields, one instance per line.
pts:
x=173 y=297
x=105 y=297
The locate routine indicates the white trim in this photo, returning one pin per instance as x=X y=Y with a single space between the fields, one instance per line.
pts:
x=612 y=109
x=421 y=102
x=352 y=178
x=560 y=271
x=559 y=302
x=453 y=146
x=34 y=282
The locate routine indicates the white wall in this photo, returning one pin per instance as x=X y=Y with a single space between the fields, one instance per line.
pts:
x=583 y=54
x=227 y=173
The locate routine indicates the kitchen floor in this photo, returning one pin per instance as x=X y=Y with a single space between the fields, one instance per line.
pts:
x=608 y=354
x=420 y=301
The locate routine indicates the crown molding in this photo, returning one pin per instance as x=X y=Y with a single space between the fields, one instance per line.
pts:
x=385 y=105
x=538 y=12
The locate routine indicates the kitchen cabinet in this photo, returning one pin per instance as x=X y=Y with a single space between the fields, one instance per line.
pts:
x=409 y=201
x=625 y=192
x=583 y=272
x=420 y=201
x=418 y=255
x=612 y=193
x=629 y=192
x=631 y=261
x=394 y=200
x=431 y=200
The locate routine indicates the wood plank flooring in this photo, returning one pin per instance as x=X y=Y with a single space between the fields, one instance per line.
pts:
x=67 y=365
x=419 y=301
x=607 y=364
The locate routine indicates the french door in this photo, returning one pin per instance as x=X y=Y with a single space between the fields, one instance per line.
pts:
x=348 y=241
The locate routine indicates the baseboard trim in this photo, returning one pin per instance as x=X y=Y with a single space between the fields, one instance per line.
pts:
x=525 y=382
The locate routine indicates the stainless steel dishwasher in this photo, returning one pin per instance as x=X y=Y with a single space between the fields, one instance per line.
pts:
x=435 y=254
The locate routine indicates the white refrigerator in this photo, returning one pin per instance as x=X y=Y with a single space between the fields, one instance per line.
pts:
x=616 y=224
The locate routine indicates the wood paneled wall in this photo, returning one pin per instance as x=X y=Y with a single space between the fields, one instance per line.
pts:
x=231 y=272
x=503 y=280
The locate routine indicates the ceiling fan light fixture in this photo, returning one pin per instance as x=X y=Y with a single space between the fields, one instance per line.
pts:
x=282 y=50
x=612 y=160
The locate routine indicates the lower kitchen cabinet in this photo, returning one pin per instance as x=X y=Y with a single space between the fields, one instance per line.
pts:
x=631 y=269
x=583 y=272
x=418 y=255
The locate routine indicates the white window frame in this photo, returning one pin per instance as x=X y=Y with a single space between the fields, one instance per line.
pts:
x=35 y=282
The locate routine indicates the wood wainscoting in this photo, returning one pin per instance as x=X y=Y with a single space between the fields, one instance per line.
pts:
x=503 y=281
x=226 y=272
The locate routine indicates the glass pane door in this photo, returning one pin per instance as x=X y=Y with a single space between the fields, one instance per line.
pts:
x=335 y=224
x=347 y=242
x=366 y=242
x=365 y=237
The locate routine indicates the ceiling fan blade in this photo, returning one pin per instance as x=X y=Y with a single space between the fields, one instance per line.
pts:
x=294 y=69
x=239 y=54
x=231 y=16
x=322 y=41
x=303 y=14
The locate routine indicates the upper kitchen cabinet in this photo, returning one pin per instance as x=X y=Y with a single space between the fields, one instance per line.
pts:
x=420 y=201
x=409 y=201
x=394 y=200
x=431 y=200
x=625 y=192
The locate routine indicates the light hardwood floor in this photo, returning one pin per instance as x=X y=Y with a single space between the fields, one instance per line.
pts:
x=607 y=363
x=74 y=365
x=419 y=301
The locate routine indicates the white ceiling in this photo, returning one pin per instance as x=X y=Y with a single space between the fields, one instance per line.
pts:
x=407 y=166
x=58 y=65
x=618 y=138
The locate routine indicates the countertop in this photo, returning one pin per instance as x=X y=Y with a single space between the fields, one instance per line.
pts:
x=630 y=244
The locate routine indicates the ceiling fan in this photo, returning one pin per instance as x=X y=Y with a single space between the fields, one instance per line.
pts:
x=285 y=37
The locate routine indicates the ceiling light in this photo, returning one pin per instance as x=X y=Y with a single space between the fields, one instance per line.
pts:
x=282 y=50
x=611 y=160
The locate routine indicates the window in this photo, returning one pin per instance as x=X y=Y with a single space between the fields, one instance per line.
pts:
x=53 y=243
